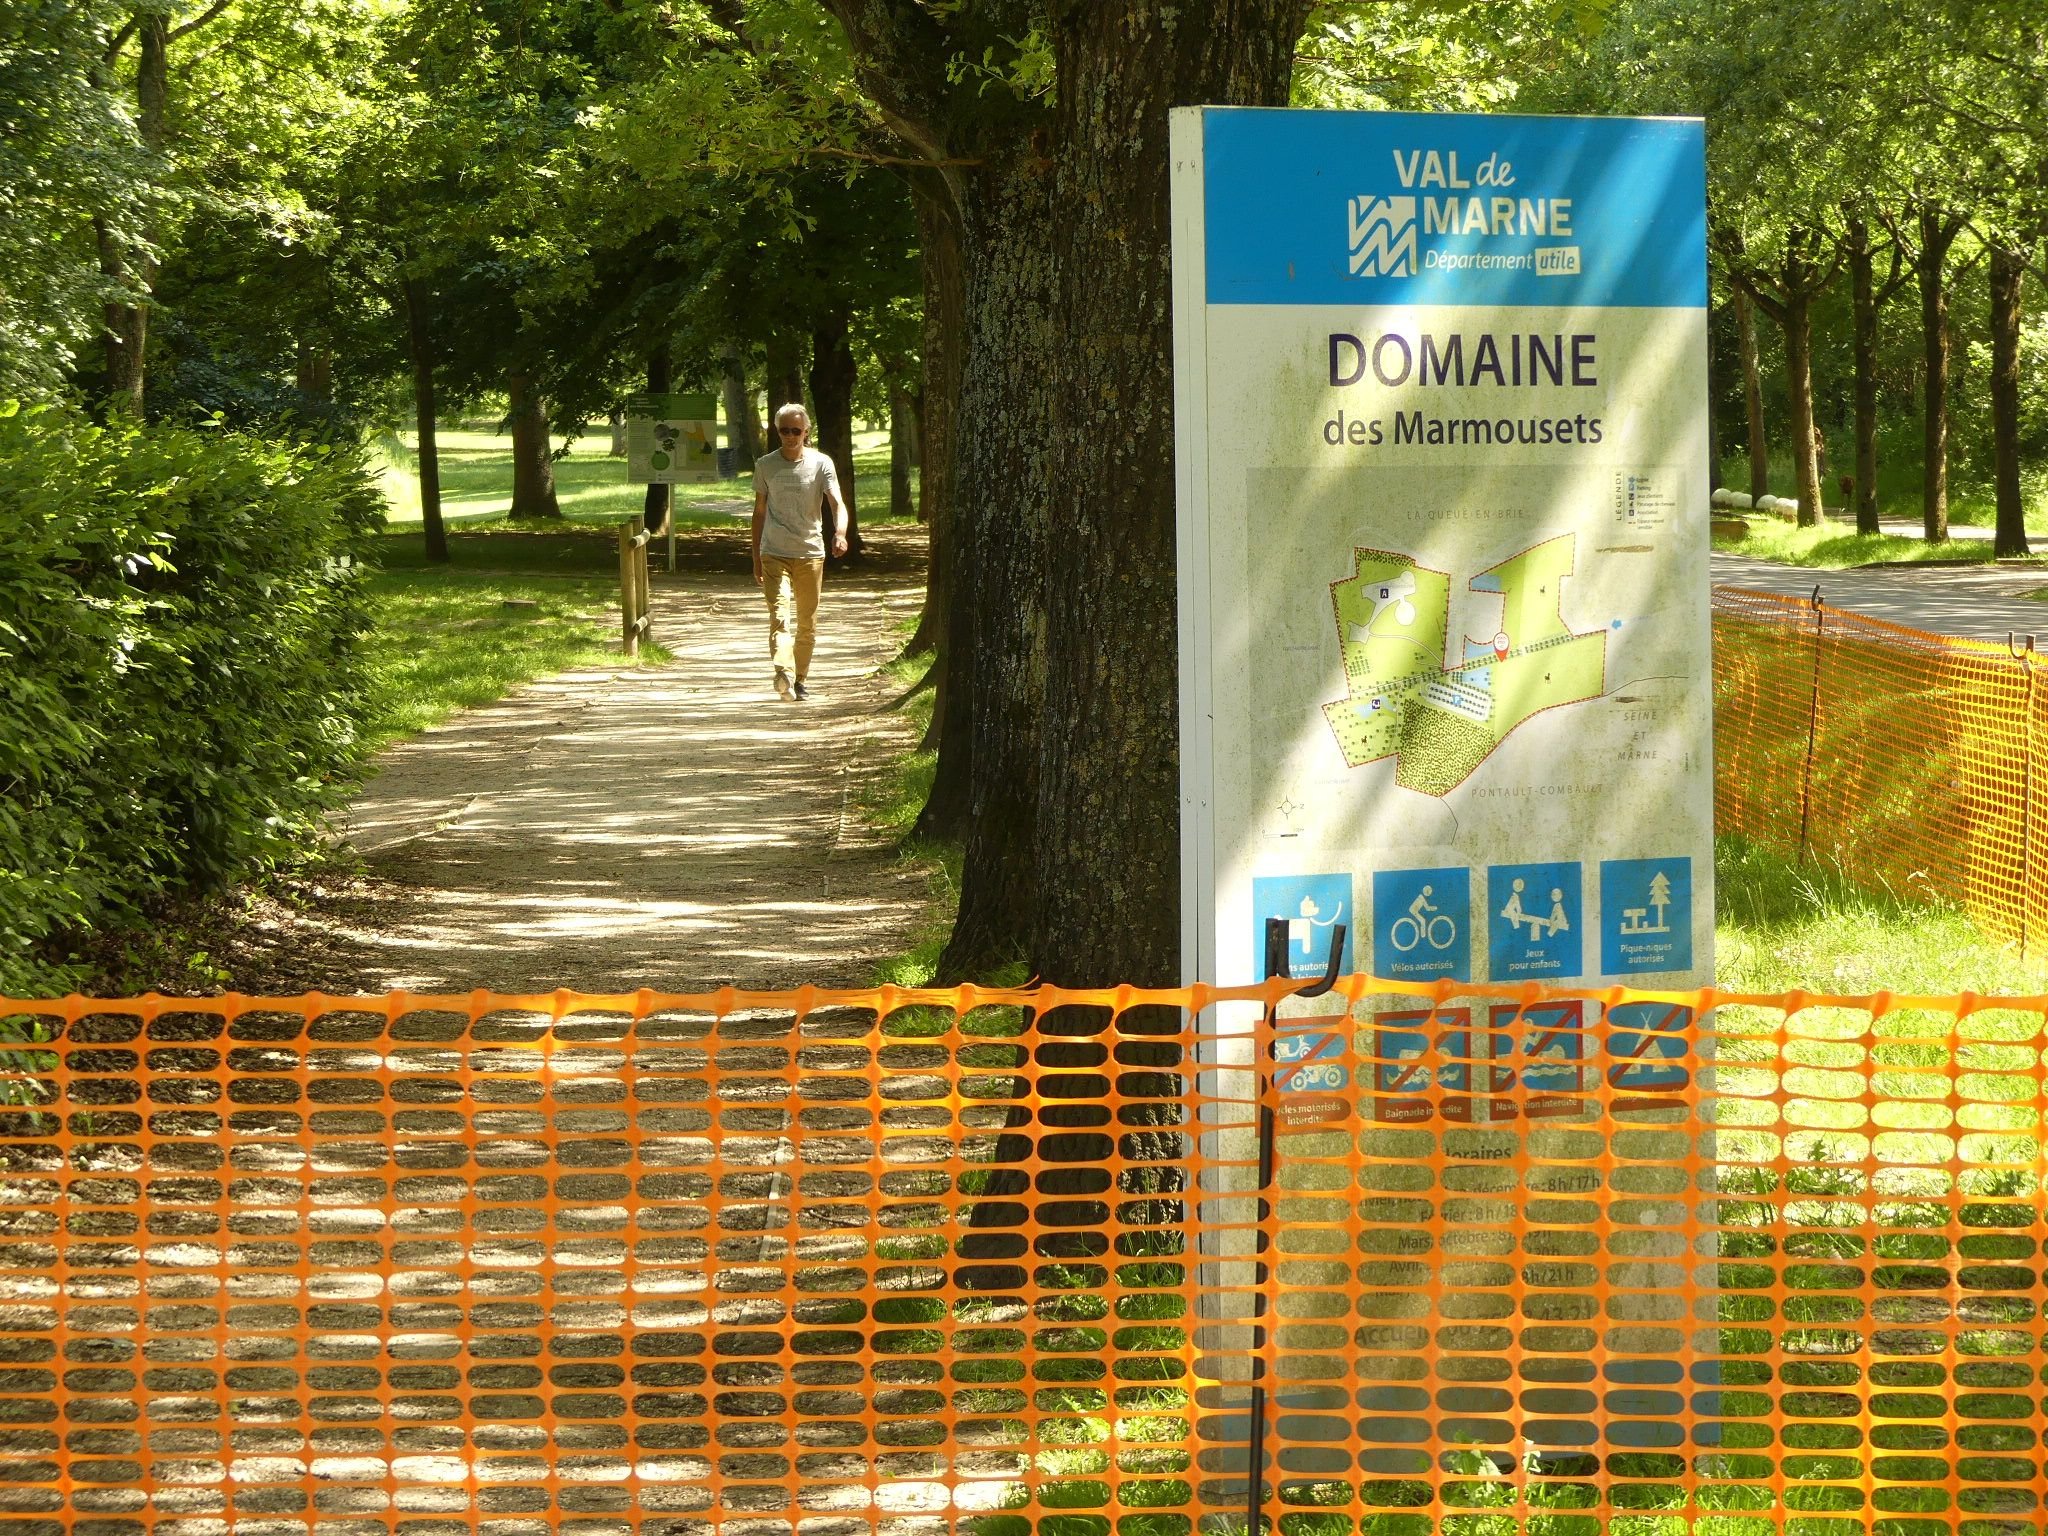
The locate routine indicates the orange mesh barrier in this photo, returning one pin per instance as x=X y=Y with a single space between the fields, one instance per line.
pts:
x=1457 y=1259
x=1909 y=760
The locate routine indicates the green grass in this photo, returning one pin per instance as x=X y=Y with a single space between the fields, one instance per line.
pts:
x=501 y=547
x=445 y=640
x=893 y=807
x=1781 y=926
x=476 y=481
x=1836 y=546
x=1971 y=500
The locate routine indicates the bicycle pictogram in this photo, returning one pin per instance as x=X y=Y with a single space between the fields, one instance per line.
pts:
x=1424 y=924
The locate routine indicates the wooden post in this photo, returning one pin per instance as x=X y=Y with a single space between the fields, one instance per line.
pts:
x=643 y=551
x=628 y=598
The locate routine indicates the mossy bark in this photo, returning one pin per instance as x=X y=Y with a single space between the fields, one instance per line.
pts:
x=419 y=336
x=1753 y=398
x=1064 y=457
x=948 y=619
x=1930 y=265
x=1002 y=467
x=1109 y=802
x=533 y=468
x=2008 y=287
x=834 y=374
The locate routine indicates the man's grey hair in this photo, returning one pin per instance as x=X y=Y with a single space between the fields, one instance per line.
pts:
x=792 y=412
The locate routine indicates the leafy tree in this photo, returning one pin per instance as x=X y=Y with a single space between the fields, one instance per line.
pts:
x=68 y=149
x=1979 y=64
x=191 y=138
x=1869 y=293
x=1046 y=126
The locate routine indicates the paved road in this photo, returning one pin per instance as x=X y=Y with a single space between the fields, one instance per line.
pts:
x=1977 y=602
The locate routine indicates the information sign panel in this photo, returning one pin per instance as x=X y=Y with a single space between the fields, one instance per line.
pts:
x=1443 y=504
x=671 y=439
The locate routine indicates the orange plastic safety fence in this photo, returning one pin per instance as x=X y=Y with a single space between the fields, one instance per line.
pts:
x=1911 y=761
x=1478 y=1260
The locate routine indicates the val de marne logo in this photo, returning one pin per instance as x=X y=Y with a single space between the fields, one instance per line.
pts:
x=1382 y=236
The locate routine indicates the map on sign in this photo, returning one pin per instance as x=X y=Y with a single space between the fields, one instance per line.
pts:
x=1440 y=720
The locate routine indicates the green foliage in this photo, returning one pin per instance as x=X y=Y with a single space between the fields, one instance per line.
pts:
x=178 y=683
x=68 y=152
x=448 y=639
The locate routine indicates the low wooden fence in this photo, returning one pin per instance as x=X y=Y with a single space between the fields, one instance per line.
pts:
x=634 y=540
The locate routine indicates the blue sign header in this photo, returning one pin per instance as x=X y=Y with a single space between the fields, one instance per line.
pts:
x=1367 y=208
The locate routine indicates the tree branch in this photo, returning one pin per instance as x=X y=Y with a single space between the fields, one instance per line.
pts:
x=873 y=157
x=209 y=14
x=1899 y=273
x=1746 y=278
x=1981 y=124
x=1899 y=240
x=121 y=37
x=900 y=52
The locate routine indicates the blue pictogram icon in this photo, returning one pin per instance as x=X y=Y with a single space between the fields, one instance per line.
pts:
x=1535 y=922
x=1422 y=924
x=1645 y=915
x=1311 y=906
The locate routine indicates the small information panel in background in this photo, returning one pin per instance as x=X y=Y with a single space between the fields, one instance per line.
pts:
x=671 y=439
x=1442 y=428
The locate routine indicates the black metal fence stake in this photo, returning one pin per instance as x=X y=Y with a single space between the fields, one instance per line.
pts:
x=1820 y=616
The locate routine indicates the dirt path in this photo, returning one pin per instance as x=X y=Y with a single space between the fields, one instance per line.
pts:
x=676 y=827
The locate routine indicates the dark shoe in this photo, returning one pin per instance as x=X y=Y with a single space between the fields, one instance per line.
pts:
x=782 y=684
x=801 y=691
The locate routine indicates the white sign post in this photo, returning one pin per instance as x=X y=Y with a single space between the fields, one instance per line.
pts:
x=1443 y=494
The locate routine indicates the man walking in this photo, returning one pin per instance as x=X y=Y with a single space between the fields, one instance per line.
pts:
x=791 y=488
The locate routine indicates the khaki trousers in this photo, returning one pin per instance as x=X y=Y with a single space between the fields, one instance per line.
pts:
x=804 y=579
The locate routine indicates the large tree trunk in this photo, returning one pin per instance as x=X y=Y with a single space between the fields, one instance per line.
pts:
x=833 y=377
x=785 y=374
x=1109 y=802
x=1753 y=397
x=1000 y=472
x=1930 y=263
x=124 y=320
x=931 y=622
x=420 y=343
x=739 y=416
x=1798 y=327
x=2008 y=283
x=1068 y=385
x=901 y=450
x=948 y=616
x=659 y=503
x=1863 y=303
x=132 y=273
x=533 y=468
x=313 y=370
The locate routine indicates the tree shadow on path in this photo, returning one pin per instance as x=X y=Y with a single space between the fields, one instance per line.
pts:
x=677 y=827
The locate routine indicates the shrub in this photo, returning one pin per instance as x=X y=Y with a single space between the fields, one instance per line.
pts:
x=178 y=683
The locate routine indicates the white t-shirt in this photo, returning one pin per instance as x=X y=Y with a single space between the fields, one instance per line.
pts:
x=796 y=500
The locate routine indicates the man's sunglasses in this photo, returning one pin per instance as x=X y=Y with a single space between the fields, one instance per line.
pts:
x=791 y=431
